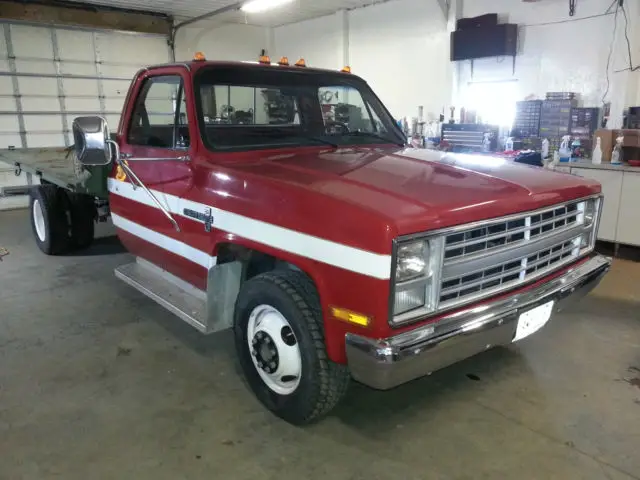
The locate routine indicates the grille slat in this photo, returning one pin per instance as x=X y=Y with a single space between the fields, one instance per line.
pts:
x=499 y=234
x=509 y=272
x=530 y=237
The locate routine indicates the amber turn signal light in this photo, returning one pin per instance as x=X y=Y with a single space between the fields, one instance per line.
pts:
x=199 y=57
x=301 y=63
x=264 y=59
x=284 y=61
x=346 y=69
x=350 y=317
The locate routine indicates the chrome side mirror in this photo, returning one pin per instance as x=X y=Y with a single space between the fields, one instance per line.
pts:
x=92 y=140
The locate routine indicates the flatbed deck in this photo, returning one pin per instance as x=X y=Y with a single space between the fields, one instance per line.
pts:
x=57 y=165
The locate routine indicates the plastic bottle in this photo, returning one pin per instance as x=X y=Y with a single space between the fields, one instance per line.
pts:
x=565 y=151
x=545 y=148
x=616 y=156
x=508 y=145
x=596 y=157
x=576 y=150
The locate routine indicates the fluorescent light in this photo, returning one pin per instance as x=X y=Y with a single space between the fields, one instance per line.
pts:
x=257 y=6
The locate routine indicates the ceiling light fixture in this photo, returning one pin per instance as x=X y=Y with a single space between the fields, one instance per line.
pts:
x=257 y=6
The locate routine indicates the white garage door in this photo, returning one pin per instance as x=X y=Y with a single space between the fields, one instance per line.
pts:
x=49 y=76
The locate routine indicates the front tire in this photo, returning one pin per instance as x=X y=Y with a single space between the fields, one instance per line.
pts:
x=280 y=342
x=49 y=219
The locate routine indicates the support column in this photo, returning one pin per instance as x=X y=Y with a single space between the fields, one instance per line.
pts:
x=342 y=18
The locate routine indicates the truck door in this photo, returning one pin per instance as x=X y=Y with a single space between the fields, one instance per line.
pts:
x=156 y=146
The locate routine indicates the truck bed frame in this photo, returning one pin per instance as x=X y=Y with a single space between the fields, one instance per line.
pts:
x=58 y=166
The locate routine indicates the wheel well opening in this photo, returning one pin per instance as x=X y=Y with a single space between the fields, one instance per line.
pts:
x=253 y=261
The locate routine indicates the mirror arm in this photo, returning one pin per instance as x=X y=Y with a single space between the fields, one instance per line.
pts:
x=131 y=174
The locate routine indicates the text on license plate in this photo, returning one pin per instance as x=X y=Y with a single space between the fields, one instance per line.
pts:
x=533 y=320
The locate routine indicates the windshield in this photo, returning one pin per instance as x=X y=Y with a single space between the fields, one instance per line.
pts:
x=241 y=108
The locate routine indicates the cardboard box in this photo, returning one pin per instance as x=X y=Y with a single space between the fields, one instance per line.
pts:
x=631 y=137
x=607 y=141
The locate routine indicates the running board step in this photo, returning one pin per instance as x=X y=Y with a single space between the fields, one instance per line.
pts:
x=208 y=312
x=153 y=282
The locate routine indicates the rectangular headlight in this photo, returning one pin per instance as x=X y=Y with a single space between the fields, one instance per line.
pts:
x=417 y=278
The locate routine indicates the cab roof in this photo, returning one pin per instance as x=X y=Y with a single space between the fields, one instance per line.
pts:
x=194 y=65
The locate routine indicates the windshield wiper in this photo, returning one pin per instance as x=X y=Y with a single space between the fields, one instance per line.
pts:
x=358 y=133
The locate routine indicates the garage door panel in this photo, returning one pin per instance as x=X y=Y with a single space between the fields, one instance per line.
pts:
x=42 y=123
x=50 y=103
x=123 y=71
x=114 y=104
x=78 y=68
x=7 y=104
x=90 y=105
x=31 y=42
x=37 y=140
x=80 y=86
x=37 y=86
x=113 y=121
x=10 y=140
x=39 y=67
x=40 y=104
x=123 y=48
x=9 y=123
x=6 y=85
x=115 y=88
x=75 y=45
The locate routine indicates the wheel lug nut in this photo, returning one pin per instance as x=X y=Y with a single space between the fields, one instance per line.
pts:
x=273 y=365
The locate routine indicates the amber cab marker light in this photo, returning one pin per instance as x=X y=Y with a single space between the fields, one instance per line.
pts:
x=265 y=59
x=350 y=317
x=301 y=63
x=346 y=69
x=199 y=57
x=284 y=61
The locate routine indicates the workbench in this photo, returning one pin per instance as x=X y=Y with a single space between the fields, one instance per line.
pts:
x=620 y=220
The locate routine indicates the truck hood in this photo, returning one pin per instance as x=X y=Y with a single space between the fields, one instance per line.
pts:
x=419 y=189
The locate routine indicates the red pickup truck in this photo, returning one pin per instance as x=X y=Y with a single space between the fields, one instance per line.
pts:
x=281 y=201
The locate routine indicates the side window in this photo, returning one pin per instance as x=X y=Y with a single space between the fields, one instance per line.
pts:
x=160 y=114
x=345 y=105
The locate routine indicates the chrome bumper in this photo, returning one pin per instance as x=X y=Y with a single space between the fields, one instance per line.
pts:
x=387 y=363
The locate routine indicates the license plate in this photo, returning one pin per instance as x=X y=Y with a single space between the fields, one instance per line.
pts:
x=533 y=320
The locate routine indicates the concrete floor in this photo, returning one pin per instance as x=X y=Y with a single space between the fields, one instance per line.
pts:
x=98 y=382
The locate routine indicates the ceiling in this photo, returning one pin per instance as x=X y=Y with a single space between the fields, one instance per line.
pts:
x=183 y=9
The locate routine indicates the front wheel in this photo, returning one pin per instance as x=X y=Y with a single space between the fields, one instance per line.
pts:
x=280 y=342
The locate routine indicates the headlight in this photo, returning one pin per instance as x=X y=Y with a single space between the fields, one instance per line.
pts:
x=412 y=261
x=590 y=212
x=417 y=278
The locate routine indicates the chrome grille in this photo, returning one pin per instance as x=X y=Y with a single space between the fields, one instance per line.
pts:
x=500 y=254
x=507 y=273
x=503 y=233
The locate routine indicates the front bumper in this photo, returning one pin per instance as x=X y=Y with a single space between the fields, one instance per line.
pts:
x=387 y=363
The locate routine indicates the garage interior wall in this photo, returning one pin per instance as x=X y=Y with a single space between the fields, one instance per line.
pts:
x=568 y=56
x=50 y=75
x=228 y=41
x=400 y=47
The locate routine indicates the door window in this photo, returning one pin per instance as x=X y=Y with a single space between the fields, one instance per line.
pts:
x=160 y=114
